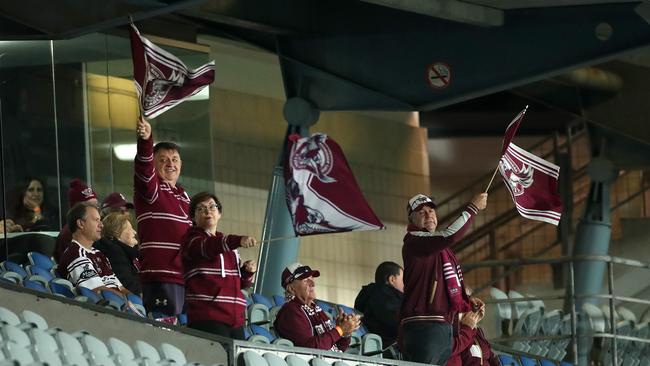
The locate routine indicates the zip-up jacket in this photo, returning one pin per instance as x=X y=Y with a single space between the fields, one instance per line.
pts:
x=162 y=215
x=214 y=277
x=425 y=290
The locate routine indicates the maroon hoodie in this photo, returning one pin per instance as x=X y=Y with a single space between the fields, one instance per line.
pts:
x=162 y=215
x=214 y=277
x=425 y=292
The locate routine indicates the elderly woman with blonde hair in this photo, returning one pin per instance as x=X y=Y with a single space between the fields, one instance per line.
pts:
x=119 y=243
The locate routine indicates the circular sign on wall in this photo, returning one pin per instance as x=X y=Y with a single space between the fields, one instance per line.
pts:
x=438 y=75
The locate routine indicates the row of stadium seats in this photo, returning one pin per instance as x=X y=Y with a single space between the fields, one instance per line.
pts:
x=27 y=339
x=529 y=318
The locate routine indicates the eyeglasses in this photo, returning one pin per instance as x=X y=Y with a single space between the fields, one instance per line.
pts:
x=209 y=208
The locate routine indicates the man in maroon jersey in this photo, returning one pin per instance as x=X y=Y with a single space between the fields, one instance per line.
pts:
x=434 y=291
x=303 y=322
x=78 y=192
x=161 y=208
x=82 y=264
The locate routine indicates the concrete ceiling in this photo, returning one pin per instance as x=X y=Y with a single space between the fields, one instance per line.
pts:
x=392 y=55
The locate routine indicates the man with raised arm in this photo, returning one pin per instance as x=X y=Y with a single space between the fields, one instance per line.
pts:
x=161 y=208
x=433 y=283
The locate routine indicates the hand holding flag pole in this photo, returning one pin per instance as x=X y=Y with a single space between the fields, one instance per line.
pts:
x=511 y=130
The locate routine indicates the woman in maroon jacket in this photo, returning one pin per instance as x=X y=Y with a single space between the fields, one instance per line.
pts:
x=214 y=275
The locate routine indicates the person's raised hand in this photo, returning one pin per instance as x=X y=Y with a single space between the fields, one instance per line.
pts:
x=250 y=266
x=480 y=201
x=143 y=129
x=247 y=242
x=477 y=304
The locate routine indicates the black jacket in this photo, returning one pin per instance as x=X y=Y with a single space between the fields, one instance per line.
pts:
x=380 y=304
x=123 y=260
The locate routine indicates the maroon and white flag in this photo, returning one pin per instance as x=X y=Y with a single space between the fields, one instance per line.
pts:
x=532 y=182
x=511 y=130
x=162 y=79
x=322 y=194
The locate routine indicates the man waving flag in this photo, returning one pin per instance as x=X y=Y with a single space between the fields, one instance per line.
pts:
x=162 y=79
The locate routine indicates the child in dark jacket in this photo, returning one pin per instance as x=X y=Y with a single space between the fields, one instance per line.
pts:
x=214 y=274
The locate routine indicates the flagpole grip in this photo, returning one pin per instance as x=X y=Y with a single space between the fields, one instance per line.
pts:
x=492 y=179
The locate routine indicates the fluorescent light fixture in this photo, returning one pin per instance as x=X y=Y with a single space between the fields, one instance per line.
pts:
x=125 y=152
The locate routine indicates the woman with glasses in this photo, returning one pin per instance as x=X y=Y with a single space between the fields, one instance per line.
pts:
x=214 y=274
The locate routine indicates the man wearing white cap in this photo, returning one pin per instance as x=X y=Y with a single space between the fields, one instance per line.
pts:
x=434 y=291
x=303 y=322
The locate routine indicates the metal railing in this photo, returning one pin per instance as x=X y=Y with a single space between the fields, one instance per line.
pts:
x=571 y=297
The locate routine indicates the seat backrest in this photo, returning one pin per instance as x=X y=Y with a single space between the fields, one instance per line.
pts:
x=293 y=360
x=250 y=358
x=518 y=307
x=15 y=267
x=256 y=329
x=371 y=343
x=43 y=339
x=595 y=317
x=258 y=314
x=90 y=294
x=261 y=299
x=279 y=300
x=504 y=309
x=316 y=361
x=13 y=277
x=40 y=260
x=626 y=314
x=16 y=335
x=61 y=289
x=33 y=318
x=527 y=361
x=135 y=299
x=144 y=350
x=507 y=360
x=274 y=360
x=551 y=322
x=172 y=353
x=45 y=273
x=68 y=344
x=35 y=285
x=8 y=317
x=94 y=346
x=120 y=349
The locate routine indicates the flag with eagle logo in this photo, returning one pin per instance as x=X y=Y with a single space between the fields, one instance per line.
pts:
x=161 y=79
x=322 y=194
x=532 y=183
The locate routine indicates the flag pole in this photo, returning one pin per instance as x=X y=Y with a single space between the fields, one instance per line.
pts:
x=492 y=179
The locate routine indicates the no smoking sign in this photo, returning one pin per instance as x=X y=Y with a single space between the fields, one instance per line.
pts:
x=438 y=75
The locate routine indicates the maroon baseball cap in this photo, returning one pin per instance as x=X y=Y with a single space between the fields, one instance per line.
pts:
x=116 y=200
x=79 y=192
x=297 y=271
x=418 y=201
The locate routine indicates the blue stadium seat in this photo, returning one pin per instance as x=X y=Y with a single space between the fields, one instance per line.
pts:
x=507 y=360
x=89 y=294
x=40 y=260
x=279 y=300
x=11 y=277
x=347 y=309
x=256 y=329
x=261 y=299
x=527 y=361
x=546 y=362
x=182 y=319
x=14 y=267
x=61 y=289
x=114 y=300
x=35 y=270
x=35 y=285
x=135 y=299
